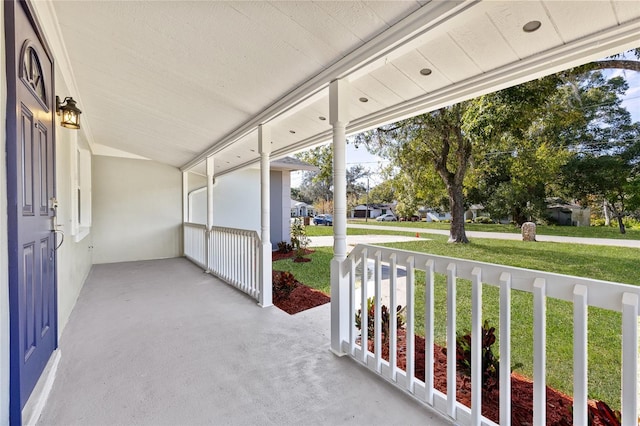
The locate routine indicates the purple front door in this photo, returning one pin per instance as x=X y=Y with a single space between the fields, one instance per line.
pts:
x=30 y=188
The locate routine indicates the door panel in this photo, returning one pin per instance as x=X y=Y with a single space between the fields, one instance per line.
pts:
x=30 y=185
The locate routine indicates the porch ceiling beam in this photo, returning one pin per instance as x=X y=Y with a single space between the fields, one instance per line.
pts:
x=424 y=19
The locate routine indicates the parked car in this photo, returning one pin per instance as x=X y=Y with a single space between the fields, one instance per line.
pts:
x=323 y=219
x=389 y=217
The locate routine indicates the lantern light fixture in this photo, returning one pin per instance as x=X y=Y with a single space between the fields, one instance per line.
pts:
x=69 y=112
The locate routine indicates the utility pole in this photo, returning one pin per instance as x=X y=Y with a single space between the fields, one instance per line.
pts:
x=366 y=213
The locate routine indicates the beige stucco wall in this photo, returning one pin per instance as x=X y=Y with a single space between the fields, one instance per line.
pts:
x=137 y=210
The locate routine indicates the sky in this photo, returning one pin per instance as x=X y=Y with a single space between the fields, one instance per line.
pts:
x=374 y=163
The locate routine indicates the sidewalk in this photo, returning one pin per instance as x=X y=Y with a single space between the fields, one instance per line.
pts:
x=507 y=236
x=353 y=240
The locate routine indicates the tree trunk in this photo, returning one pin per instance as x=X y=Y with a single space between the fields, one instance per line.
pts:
x=621 y=224
x=605 y=212
x=457 y=233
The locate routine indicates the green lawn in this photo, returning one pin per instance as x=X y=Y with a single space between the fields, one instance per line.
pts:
x=565 y=231
x=607 y=263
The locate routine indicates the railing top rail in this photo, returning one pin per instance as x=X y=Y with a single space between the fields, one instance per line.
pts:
x=602 y=294
x=194 y=225
x=248 y=232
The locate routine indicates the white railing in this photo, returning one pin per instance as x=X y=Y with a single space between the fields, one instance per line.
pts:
x=365 y=265
x=195 y=237
x=234 y=256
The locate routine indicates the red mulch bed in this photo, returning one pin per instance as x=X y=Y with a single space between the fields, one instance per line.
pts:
x=300 y=299
x=276 y=255
x=558 y=404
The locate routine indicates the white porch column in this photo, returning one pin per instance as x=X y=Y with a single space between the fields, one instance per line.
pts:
x=264 y=146
x=185 y=196
x=210 y=176
x=338 y=112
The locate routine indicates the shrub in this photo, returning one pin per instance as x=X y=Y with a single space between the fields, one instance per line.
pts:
x=483 y=219
x=385 y=320
x=490 y=363
x=284 y=282
x=299 y=239
x=284 y=247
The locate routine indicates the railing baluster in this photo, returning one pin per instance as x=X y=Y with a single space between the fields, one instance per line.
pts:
x=451 y=340
x=377 y=343
x=228 y=253
x=364 y=309
x=393 y=326
x=630 y=360
x=429 y=332
x=410 y=332
x=352 y=306
x=539 y=352
x=580 y=332
x=476 y=347
x=505 y=349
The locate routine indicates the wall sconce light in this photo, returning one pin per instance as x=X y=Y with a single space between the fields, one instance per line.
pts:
x=69 y=111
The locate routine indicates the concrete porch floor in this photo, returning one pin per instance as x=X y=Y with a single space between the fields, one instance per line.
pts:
x=162 y=343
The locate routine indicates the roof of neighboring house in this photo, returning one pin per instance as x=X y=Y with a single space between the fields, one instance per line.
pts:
x=295 y=204
x=292 y=163
x=559 y=203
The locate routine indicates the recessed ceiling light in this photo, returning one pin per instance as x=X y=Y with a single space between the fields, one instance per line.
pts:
x=531 y=26
x=322 y=118
x=252 y=150
x=425 y=71
x=238 y=156
x=363 y=99
x=293 y=132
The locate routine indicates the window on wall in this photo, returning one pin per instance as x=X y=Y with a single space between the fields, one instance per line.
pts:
x=81 y=192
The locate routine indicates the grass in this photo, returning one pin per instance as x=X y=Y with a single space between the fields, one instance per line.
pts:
x=315 y=274
x=606 y=263
x=565 y=231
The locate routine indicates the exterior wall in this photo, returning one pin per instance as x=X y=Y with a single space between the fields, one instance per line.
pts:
x=196 y=181
x=74 y=258
x=198 y=206
x=137 y=210
x=234 y=208
x=280 y=207
x=197 y=200
x=4 y=267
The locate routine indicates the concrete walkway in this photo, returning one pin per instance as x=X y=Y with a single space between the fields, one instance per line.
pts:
x=509 y=236
x=162 y=343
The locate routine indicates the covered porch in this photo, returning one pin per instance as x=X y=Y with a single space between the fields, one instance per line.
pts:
x=160 y=342
x=169 y=111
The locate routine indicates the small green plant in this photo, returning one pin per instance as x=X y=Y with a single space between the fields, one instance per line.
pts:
x=284 y=283
x=385 y=320
x=490 y=363
x=299 y=238
x=284 y=247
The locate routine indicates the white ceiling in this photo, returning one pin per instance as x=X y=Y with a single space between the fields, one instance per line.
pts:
x=175 y=81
